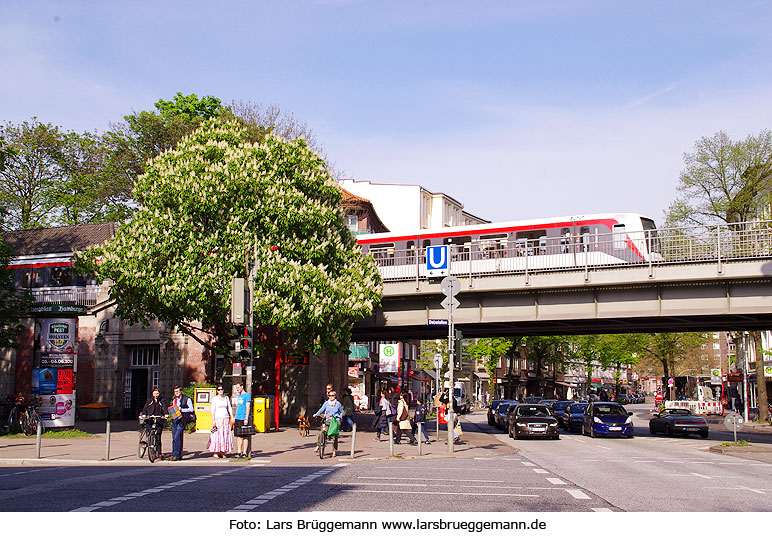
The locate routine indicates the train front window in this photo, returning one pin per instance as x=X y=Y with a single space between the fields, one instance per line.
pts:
x=652 y=236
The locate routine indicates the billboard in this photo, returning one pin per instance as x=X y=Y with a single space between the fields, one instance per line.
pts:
x=57 y=342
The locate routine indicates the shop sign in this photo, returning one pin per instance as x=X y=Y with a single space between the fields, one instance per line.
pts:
x=353 y=372
x=715 y=376
x=388 y=357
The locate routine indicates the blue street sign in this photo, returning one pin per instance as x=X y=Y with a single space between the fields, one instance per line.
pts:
x=437 y=322
x=437 y=260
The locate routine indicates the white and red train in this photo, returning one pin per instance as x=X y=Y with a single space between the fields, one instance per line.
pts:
x=520 y=246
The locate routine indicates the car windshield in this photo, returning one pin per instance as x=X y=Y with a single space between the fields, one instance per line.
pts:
x=533 y=411
x=503 y=407
x=561 y=405
x=678 y=412
x=609 y=410
x=578 y=408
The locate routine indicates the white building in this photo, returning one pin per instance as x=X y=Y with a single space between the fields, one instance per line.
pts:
x=411 y=207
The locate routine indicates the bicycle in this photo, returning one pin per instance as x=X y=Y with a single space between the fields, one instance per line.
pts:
x=25 y=418
x=151 y=430
x=321 y=441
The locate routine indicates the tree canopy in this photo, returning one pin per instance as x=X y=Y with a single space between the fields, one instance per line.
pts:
x=206 y=205
x=724 y=180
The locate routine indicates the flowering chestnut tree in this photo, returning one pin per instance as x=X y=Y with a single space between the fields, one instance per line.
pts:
x=206 y=205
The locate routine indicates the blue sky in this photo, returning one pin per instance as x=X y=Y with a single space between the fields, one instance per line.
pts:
x=517 y=109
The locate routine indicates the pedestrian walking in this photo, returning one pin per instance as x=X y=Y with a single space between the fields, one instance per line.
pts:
x=220 y=439
x=420 y=417
x=381 y=422
x=403 y=421
x=347 y=401
x=182 y=406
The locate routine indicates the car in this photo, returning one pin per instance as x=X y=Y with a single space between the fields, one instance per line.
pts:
x=572 y=417
x=607 y=418
x=532 y=399
x=548 y=403
x=558 y=408
x=678 y=421
x=532 y=420
x=492 y=410
x=500 y=416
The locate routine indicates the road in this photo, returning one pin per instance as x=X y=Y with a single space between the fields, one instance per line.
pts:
x=575 y=473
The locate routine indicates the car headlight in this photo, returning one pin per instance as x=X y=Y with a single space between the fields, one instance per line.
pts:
x=596 y=419
x=553 y=423
x=629 y=420
x=522 y=424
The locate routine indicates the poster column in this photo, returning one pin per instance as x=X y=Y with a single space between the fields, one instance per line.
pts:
x=53 y=380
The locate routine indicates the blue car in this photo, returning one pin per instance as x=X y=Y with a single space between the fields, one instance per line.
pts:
x=573 y=416
x=607 y=419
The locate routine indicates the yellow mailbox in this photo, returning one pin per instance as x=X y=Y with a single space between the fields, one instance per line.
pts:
x=202 y=404
x=262 y=414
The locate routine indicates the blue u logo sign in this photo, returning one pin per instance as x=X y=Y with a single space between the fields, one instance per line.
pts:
x=437 y=257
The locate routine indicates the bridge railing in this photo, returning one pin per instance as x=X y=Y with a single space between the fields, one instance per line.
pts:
x=589 y=251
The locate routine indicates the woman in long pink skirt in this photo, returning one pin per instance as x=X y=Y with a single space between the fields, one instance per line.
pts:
x=220 y=440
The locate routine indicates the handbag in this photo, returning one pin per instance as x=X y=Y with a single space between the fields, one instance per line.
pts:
x=334 y=428
x=246 y=430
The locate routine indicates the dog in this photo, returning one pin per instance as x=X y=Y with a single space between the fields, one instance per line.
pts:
x=304 y=426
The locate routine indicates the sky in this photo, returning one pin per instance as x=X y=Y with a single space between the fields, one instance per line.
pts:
x=517 y=109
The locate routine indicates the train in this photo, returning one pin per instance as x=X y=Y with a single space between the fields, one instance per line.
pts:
x=579 y=241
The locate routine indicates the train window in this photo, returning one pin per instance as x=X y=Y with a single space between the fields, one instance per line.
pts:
x=565 y=239
x=652 y=237
x=493 y=245
x=382 y=252
x=462 y=243
x=619 y=236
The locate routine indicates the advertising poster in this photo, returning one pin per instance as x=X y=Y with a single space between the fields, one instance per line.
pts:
x=57 y=410
x=57 y=342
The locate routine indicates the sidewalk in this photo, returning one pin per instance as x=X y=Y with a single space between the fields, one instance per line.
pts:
x=284 y=446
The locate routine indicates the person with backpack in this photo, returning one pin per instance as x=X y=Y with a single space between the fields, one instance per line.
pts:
x=381 y=423
x=420 y=417
x=403 y=421
x=183 y=406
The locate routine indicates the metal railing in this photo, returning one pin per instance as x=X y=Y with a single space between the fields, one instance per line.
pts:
x=652 y=248
x=85 y=296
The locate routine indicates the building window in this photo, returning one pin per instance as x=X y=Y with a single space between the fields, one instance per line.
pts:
x=146 y=355
x=127 y=389
x=156 y=378
x=352 y=222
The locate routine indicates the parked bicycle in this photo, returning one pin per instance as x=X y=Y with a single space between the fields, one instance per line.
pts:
x=24 y=417
x=150 y=437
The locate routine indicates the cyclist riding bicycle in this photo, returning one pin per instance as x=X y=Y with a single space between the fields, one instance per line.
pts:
x=332 y=408
x=154 y=406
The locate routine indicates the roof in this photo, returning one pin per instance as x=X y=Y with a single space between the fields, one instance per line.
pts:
x=59 y=239
x=349 y=197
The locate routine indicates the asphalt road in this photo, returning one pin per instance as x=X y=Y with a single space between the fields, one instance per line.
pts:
x=575 y=473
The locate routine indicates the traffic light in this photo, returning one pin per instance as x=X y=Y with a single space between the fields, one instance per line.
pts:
x=244 y=344
x=458 y=348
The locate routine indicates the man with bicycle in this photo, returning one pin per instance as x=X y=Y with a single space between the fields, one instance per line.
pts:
x=332 y=408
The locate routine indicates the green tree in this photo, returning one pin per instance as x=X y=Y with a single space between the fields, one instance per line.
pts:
x=669 y=347
x=724 y=180
x=29 y=180
x=490 y=351
x=208 y=205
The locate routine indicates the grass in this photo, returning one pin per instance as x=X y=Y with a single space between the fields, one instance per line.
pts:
x=740 y=443
x=55 y=433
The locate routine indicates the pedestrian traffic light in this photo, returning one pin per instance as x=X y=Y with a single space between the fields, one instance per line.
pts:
x=244 y=344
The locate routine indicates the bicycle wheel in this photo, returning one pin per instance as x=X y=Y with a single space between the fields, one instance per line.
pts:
x=14 y=421
x=322 y=443
x=142 y=444
x=32 y=423
x=152 y=450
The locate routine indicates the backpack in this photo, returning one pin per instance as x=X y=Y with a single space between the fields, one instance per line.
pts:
x=189 y=417
x=392 y=410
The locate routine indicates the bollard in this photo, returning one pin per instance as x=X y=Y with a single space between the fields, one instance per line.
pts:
x=107 y=442
x=353 y=438
x=38 y=439
x=391 y=437
x=419 y=435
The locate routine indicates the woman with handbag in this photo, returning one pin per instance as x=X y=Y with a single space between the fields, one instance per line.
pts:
x=403 y=420
x=220 y=440
x=331 y=409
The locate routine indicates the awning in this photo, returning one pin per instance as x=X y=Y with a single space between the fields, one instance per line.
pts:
x=431 y=374
x=481 y=375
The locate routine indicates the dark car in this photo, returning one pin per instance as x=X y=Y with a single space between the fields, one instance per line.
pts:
x=678 y=421
x=532 y=420
x=558 y=408
x=500 y=415
x=572 y=417
x=548 y=403
x=532 y=399
x=492 y=411
x=607 y=419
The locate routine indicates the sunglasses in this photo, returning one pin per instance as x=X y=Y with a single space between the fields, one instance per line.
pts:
x=219 y=389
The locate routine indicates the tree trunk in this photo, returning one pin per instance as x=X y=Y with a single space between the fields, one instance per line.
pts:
x=761 y=382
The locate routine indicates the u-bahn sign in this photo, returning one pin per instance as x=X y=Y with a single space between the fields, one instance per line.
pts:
x=437 y=260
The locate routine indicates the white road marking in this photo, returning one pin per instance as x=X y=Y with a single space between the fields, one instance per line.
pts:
x=578 y=494
x=529 y=464
x=271 y=494
x=141 y=493
x=539 y=470
x=442 y=493
x=556 y=481
x=601 y=509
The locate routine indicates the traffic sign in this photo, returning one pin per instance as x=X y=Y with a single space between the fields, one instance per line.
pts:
x=450 y=286
x=437 y=260
x=733 y=421
x=438 y=360
x=450 y=303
